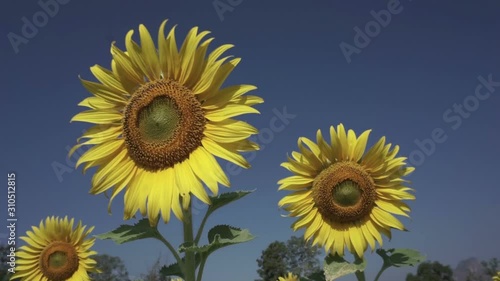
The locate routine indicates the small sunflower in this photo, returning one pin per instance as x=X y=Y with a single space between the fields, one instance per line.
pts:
x=289 y=277
x=497 y=277
x=161 y=116
x=56 y=252
x=343 y=196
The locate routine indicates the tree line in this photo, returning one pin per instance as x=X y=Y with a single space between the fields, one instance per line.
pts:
x=279 y=258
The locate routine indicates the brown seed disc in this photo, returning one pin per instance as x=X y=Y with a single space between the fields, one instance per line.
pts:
x=59 y=261
x=344 y=192
x=163 y=124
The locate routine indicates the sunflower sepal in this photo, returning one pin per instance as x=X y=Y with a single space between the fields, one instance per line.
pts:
x=336 y=266
x=128 y=233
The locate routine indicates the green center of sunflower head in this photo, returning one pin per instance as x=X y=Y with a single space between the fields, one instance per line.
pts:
x=58 y=259
x=159 y=120
x=347 y=193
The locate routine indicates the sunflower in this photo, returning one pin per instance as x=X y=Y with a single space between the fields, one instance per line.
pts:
x=55 y=251
x=497 y=277
x=342 y=196
x=289 y=277
x=161 y=116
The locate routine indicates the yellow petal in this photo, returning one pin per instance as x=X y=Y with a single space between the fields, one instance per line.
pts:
x=219 y=151
x=172 y=184
x=100 y=151
x=104 y=92
x=357 y=240
x=360 y=146
x=173 y=65
x=115 y=177
x=201 y=166
x=107 y=78
x=97 y=103
x=227 y=94
x=129 y=69
x=383 y=219
x=392 y=207
x=149 y=55
x=199 y=64
x=104 y=116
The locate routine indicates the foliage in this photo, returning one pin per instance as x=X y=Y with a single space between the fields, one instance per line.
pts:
x=490 y=269
x=491 y=266
x=295 y=255
x=432 y=271
x=273 y=261
x=113 y=269
x=302 y=257
x=153 y=273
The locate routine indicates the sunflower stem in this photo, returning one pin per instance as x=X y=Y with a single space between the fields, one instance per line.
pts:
x=190 y=261
x=360 y=275
x=200 y=230
x=384 y=267
x=171 y=248
x=202 y=266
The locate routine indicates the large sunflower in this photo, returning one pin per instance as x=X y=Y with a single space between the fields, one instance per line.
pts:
x=342 y=196
x=161 y=118
x=56 y=252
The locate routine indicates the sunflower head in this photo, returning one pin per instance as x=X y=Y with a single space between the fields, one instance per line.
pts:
x=56 y=251
x=161 y=117
x=289 y=277
x=343 y=196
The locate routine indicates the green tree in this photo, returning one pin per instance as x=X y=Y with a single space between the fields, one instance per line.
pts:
x=491 y=266
x=113 y=269
x=273 y=261
x=432 y=271
x=302 y=257
x=295 y=255
x=489 y=269
x=153 y=273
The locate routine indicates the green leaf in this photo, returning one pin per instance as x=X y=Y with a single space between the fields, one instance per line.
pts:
x=317 y=276
x=172 y=270
x=127 y=233
x=175 y=270
x=400 y=257
x=226 y=198
x=336 y=266
x=218 y=237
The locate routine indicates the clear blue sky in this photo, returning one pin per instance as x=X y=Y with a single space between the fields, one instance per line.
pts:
x=403 y=84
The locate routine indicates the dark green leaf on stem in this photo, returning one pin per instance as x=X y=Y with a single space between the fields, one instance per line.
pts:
x=127 y=233
x=400 y=257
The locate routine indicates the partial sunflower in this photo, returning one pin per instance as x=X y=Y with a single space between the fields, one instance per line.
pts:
x=289 y=277
x=161 y=116
x=497 y=277
x=56 y=251
x=343 y=196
